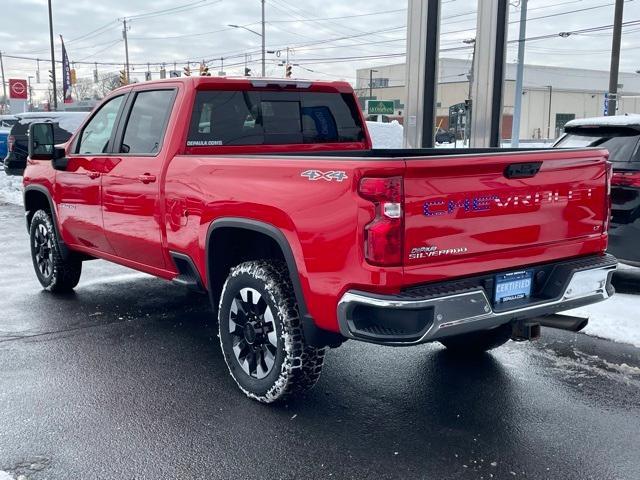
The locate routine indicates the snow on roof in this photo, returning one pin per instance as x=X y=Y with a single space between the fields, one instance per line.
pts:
x=48 y=114
x=614 y=121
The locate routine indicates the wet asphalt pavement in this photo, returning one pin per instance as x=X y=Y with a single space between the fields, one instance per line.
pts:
x=124 y=379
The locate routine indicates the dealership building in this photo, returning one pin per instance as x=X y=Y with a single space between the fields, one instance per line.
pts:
x=551 y=95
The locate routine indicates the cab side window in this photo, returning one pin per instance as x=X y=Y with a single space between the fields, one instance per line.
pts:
x=96 y=134
x=147 y=122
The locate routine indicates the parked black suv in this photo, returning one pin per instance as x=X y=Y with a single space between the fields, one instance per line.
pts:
x=65 y=124
x=621 y=136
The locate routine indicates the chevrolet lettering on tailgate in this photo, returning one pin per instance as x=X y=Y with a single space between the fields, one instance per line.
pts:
x=485 y=203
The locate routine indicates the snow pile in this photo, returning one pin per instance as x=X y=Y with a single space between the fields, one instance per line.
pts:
x=386 y=135
x=617 y=318
x=10 y=189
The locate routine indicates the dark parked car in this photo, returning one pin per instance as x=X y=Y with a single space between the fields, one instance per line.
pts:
x=64 y=125
x=6 y=122
x=621 y=136
x=445 y=136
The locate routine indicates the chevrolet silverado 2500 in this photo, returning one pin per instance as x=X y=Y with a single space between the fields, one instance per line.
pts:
x=266 y=194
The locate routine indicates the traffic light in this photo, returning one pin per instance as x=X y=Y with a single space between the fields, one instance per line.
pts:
x=50 y=76
x=204 y=70
x=163 y=73
x=73 y=76
x=187 y=71
x=287 y=71
x=123 y=78
x=247 y=72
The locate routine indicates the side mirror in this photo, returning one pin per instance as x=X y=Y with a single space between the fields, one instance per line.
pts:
x=42 y=145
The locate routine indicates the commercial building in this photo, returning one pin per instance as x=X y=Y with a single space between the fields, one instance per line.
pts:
x=551 y=95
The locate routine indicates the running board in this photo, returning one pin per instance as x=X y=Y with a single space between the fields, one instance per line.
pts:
x=188 y=275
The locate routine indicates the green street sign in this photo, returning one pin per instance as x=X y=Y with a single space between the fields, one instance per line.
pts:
x=380 y=107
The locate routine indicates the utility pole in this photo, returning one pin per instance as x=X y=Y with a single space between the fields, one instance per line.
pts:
x=517 y=105
x=467 y=120
x=615 y=58
x=549 y=119
x=264 y=74
x=371 y=70
x=53 y=60
x=4 y=85
x=126 y=47
x=30 y=91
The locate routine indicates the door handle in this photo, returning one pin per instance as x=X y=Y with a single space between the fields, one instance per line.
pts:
x=93 y=175
x=147 y=178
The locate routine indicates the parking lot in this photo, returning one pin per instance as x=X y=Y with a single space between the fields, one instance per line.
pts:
x=124 y=379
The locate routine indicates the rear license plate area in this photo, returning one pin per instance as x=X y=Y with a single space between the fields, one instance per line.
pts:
x=512 y=286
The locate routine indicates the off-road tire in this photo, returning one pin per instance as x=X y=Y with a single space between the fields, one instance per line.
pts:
x=54 y=273
x=297 y=366
x=478 y=342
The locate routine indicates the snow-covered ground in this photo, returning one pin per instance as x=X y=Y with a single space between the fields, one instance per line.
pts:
x=10 y=189
x=616 y=319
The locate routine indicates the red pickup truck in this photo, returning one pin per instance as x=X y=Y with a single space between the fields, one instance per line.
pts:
x=266 y=194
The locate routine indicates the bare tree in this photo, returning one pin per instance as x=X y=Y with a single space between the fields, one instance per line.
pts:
x=106 y=83
x=84 y=89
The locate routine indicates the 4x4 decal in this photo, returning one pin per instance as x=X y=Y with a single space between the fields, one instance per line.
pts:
x=329 y=176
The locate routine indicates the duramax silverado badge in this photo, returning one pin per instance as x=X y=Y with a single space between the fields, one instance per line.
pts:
x=267 y=195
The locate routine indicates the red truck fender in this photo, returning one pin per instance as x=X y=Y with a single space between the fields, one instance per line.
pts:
x=214 y=278
x=38 y=197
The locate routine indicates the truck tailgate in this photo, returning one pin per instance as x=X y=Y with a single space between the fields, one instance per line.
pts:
x=466 y=213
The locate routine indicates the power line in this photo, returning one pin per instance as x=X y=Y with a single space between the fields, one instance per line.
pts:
x=558 y=14
x=180 y=8
x=340 y=18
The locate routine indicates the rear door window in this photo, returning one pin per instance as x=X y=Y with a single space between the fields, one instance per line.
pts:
x=273 y=118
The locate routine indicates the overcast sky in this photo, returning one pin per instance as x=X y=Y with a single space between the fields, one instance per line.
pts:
x=316 y=30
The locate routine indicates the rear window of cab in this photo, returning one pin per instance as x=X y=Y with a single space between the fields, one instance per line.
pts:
x=273 y=118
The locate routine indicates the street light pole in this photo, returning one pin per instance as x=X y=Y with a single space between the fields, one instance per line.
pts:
x=255 y=33
x=263 y=42
x=53 y=60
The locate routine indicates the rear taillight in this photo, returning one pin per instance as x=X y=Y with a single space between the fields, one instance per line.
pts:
x=11 y=140
x=608 y=204
x=626 y=179
x=383 y=235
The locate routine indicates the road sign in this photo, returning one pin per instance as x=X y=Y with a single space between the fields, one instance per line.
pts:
x=380 y=107
x=18 y=89
x=174 y=73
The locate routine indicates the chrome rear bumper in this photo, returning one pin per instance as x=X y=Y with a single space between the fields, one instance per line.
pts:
x=409 y=319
